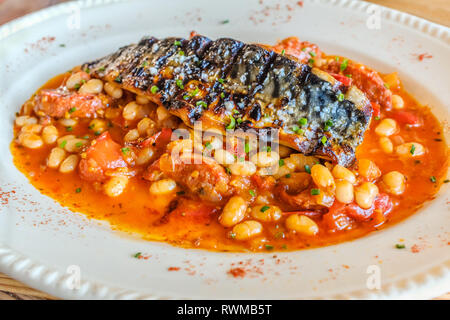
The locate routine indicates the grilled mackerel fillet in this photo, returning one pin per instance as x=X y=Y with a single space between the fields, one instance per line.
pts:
x=227 y=83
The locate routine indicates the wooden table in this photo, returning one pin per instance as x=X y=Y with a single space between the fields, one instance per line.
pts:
x=434 y=10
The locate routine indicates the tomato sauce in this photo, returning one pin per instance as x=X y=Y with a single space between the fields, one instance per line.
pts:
x=194 y=222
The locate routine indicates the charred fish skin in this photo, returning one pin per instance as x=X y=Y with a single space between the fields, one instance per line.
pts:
x=202 y=79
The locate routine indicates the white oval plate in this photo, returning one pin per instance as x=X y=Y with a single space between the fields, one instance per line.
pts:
x=47 y=247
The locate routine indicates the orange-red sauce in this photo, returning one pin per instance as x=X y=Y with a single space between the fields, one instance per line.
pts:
x=137 y=211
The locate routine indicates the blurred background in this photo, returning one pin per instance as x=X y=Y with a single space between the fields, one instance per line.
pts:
x=434 y=10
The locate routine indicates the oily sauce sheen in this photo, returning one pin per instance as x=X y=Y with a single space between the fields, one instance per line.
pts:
x=182 y=219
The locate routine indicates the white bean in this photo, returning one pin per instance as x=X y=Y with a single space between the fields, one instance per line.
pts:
x=163 y=186
x=243 y=168
x=116 y=185
x=69 y=164
x=49 y=134
x=93 y=86
x=30 y=140
x=387 y=127
x=24 y=120
x=265 y=159
x=113 y=90
x=55 y=157
x=233 y=212
x=223 y=156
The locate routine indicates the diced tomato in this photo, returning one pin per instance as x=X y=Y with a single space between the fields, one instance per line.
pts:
x=346 y=81
x=304 y=51
x=104 y=154
x=56 y=103
x=196 y=211
x=337 y=221
x=406 y=117
x=376 y=110
x=159 y=139
x=383 y=204
x=263 y=183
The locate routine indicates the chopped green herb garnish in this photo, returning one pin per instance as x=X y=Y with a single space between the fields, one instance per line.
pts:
x=268 y=148
x=186 y=97
x=77 y=86
x=413 y=149
x=239 y=120
x=208 y=145
x=336 y=58
x=225 y=21
x=232 y=123
x=341 y=97
x=312 y=53
x=181 y=53
x=118 y=79
x=72 y=110
x=177 y=43
x=125 y=150
x=87 y=70
x=315 y=192
x=344 y=64
x=144 y=64
x=281 y=162
x=264 y=208
x=348 y=75
x=228 y=170
x=194 y=92
x=323 y=140
x=62 y=45
x=283 y=52
x=232 y=235
x=201 y=103
x=303 y=121
x=433 y=179
x=311 y=61
x=288 y=175
x=138 y=255
x=79 y=144
x=63 y=144
x=268 y=247
x=377 y=118
x=307 y=169
x=247 y=147
x=252 y=193
x=97 y=133
x=328 y=125
x=222 y=95
x=284 y=246
x=69 y=128
x=400 y=246
x=78 y=190
x=221 y=80
x=154 y=89
x=179 y=83
x=101 y=69
x=387 y=86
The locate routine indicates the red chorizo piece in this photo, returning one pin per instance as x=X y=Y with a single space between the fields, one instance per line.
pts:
x=201 y=175
x=59 y=103
x=367 y=80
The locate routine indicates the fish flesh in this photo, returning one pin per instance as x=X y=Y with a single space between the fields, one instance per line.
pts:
x=226 y=83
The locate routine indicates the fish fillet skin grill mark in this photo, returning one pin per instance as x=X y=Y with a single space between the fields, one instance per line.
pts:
x=212 y=81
